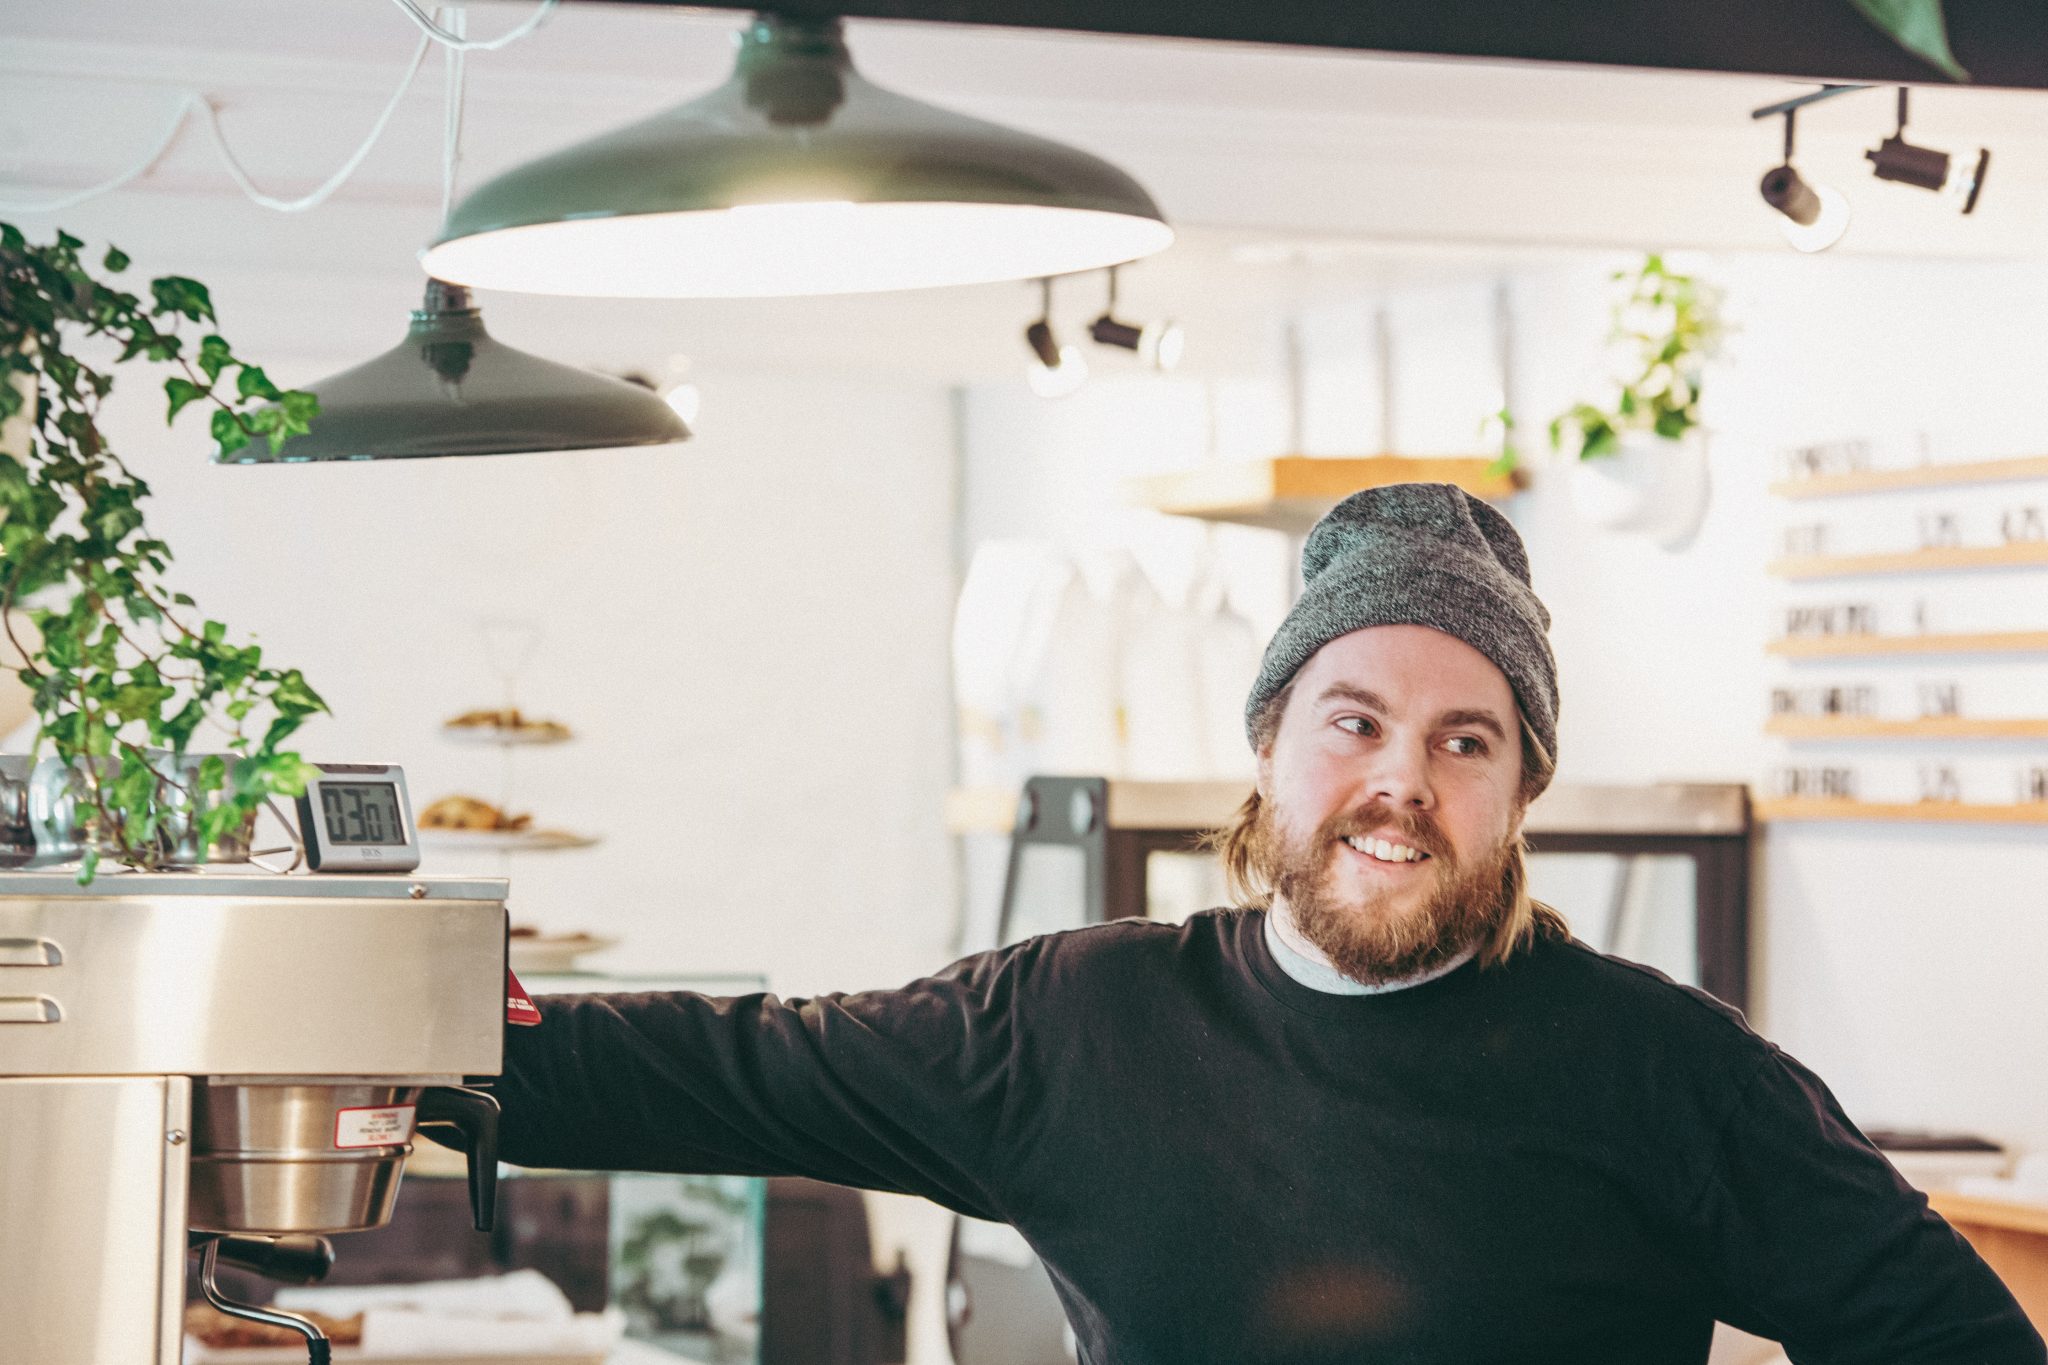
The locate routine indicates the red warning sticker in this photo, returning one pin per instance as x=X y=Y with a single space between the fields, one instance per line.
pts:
x=519 y=1006
x=373 y=1126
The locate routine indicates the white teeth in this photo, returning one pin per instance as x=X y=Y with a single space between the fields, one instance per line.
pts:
x=1384 y=851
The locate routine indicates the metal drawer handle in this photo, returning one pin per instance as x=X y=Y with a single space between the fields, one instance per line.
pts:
x=30 y=1009
x=30 y=952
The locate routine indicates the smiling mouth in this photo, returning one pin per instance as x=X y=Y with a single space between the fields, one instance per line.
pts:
x=1386 y=850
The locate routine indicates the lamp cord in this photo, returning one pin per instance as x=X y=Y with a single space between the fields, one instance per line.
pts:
x=455 y=38
x=451 y=100
x=333 y=182
x=190 y=100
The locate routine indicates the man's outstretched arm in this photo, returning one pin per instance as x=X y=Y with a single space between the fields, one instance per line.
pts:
x=896 y=1090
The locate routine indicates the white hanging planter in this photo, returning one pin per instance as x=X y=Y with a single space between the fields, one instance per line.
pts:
x=1652 y=486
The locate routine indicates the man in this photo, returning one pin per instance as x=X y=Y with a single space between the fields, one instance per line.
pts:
x=1397 y=1115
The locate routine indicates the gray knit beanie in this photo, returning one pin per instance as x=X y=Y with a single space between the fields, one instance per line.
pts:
x=1420 y=554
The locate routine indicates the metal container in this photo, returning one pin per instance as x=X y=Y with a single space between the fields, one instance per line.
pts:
x=281 y=1158
x=181 y=806
x=60 y=806
x=17 y=834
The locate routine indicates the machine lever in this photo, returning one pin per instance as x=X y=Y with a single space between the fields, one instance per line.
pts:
x=296 y=1258
x=319 y=1350
x=473 y=1117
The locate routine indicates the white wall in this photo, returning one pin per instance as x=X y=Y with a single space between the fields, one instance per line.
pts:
x=1901 y=961
x=746 y=632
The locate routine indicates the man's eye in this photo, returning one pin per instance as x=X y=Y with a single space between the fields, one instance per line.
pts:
x=1466 y=746
x=1357 y=725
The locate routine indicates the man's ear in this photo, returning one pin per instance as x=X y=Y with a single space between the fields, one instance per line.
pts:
x=1265 y=782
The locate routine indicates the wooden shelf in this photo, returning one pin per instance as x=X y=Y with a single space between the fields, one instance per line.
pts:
x=1931 y=727
x=1919 y=476
x=1684 y=809
x=1291 y=492
x=2017 y=555
x=2011 y=1236
x=1984 y=1212
x=1929 y=812
x=1865 y=646
x=1132 y=805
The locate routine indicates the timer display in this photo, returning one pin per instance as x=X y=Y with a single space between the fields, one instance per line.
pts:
x=357 y=817
x=361 y=813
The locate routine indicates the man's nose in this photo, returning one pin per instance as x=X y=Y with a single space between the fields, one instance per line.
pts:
x=1400 y=776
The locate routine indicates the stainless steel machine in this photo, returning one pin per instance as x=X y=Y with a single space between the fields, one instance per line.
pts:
x=226 y=1062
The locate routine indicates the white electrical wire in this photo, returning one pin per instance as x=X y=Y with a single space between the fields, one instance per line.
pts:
x=135 y=172
x=431 y=32
x=455 y=40
x=348 y=167
x=451 y=110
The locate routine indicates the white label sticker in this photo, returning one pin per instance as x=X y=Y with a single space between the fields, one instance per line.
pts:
x=387 y=1127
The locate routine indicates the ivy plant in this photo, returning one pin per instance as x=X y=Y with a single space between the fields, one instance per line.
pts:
x=1666 y=325
x=124 y=665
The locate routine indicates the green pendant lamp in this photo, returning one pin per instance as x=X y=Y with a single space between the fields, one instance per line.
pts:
x=796 y=176
x=450 y=389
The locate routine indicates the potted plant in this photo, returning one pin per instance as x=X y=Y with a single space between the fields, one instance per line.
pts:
x=1639 y=460
x=123 y=670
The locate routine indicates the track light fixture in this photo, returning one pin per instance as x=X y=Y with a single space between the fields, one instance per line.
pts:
x=1812 y=217
x=1158 y=344
x=1956 y=178
x=1055 y=370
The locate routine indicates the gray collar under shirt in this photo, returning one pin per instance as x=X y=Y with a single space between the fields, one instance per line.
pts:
x=1317 y=974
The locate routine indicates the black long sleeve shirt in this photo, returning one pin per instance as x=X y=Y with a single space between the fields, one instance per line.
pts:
x=1567 y=1158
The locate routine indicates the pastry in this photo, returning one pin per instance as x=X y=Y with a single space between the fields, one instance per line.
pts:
x=508 y=720
x=467 y=812
x=221 y=1331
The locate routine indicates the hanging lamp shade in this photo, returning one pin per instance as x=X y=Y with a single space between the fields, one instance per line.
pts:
x=796 y=176
x=450 y=389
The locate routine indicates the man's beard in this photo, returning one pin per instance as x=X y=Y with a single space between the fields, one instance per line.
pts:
x=1367 y=939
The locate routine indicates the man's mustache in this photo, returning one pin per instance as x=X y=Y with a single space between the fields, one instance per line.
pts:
x=1416 y=828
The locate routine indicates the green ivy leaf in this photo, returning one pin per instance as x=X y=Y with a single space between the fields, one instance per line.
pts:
x=186 y=298
x=180 y=391
x=116 y=260
x=300 y=408
x=214 y=356
x=228 y=433
x=253 y=383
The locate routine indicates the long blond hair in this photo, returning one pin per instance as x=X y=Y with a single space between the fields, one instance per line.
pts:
x=1527 y=919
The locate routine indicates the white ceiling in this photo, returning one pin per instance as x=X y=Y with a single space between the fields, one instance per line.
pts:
x=1411 y=170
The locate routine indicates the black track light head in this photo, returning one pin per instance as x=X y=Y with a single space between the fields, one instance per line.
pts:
x=1784 y=191
x=1055 y=370
x=1038 y=336
x=1158 y=344
x=1813 y=217
x=1898 y=160
x=1902 y=162
x=1109 y=332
